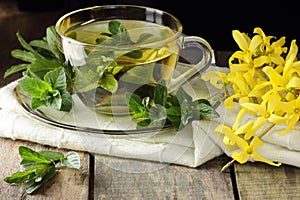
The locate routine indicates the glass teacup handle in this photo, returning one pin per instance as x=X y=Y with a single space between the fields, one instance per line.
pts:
x=205 y=53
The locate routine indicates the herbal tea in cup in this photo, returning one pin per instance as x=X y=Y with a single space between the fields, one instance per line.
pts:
x=119 y=49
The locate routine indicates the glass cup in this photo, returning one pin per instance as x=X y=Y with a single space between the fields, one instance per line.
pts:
x=114 y=49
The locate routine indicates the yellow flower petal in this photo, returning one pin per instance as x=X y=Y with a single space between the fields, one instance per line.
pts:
x=291 y=123
x=276 y=119
x=261 y=61
x=255 y=42
x=259 y=31
x=241 y=157
x=259 y=122
x=217 y=79
x=294 y=83
x=241 y=39
x=258 y=109
x=257 y=157
x=256 y=143
x=274 y=76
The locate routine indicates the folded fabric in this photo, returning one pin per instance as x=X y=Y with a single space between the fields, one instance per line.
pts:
x=188 y=147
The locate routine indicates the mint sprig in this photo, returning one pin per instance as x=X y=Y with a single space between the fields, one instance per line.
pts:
x=40 y=167
x=177 y=109
x=47 y=77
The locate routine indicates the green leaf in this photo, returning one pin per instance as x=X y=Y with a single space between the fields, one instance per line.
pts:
x=33 y=185
x=57 y=79
x=143 y=123
x=52 y=155
x=40 y=44
x=36 y=103
x=115 y=27
x=54 y=101
x=186 y=112
x=35 y=87
x=27 y=46
x=15 y=68
x=23 y=55
x=109 y=82
x=206 y=111
x=135 y=54
x=120 y=35
x=28 y=154
x=181 y=95
x=20 y=177
x=73 y=35
x=203 y=101
x=174 y=115
x=157 y=115
x=100 y=40
x=160 y=93
x=133 y=101
x=67 y=101
x=51 y=39
x=172 y=101
x=41 y=66
x=73 y=160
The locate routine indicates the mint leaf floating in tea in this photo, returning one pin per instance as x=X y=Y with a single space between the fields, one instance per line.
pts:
x=40 y=167
x=167 y=109
x=118 y=35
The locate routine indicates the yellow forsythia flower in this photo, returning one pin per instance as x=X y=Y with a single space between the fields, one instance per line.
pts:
x=264 y=79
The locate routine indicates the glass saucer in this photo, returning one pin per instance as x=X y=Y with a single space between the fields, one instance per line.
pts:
x=83 y=118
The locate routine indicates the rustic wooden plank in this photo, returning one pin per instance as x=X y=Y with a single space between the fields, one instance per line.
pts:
x=262 y=181
x=117 y=178
x=66 y=184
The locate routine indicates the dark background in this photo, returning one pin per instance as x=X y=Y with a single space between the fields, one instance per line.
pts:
x=212 y=20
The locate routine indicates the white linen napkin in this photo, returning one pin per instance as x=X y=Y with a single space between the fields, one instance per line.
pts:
x=188 y=147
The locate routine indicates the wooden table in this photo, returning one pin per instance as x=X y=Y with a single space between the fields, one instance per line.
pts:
x=106 y=177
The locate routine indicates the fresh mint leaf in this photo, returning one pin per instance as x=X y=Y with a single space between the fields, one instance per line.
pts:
x=174 y=116
x=40 y=67
x=109 y=82
x=33 y=184
x=23 y=55
x=14 y=69
x=40 y=167
x=27 y=46
x=135 y=54
x=160 y=93
x=158 y=115
x=35 y=87
x=133 y=101
x=52 y=41
x=30 y=155
x=67 y=101
x=57 y=79
x=20 y=177
x=36 y=103
x=115 y=27
x=41 y=44
x=205 y=109
x=72 y=160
